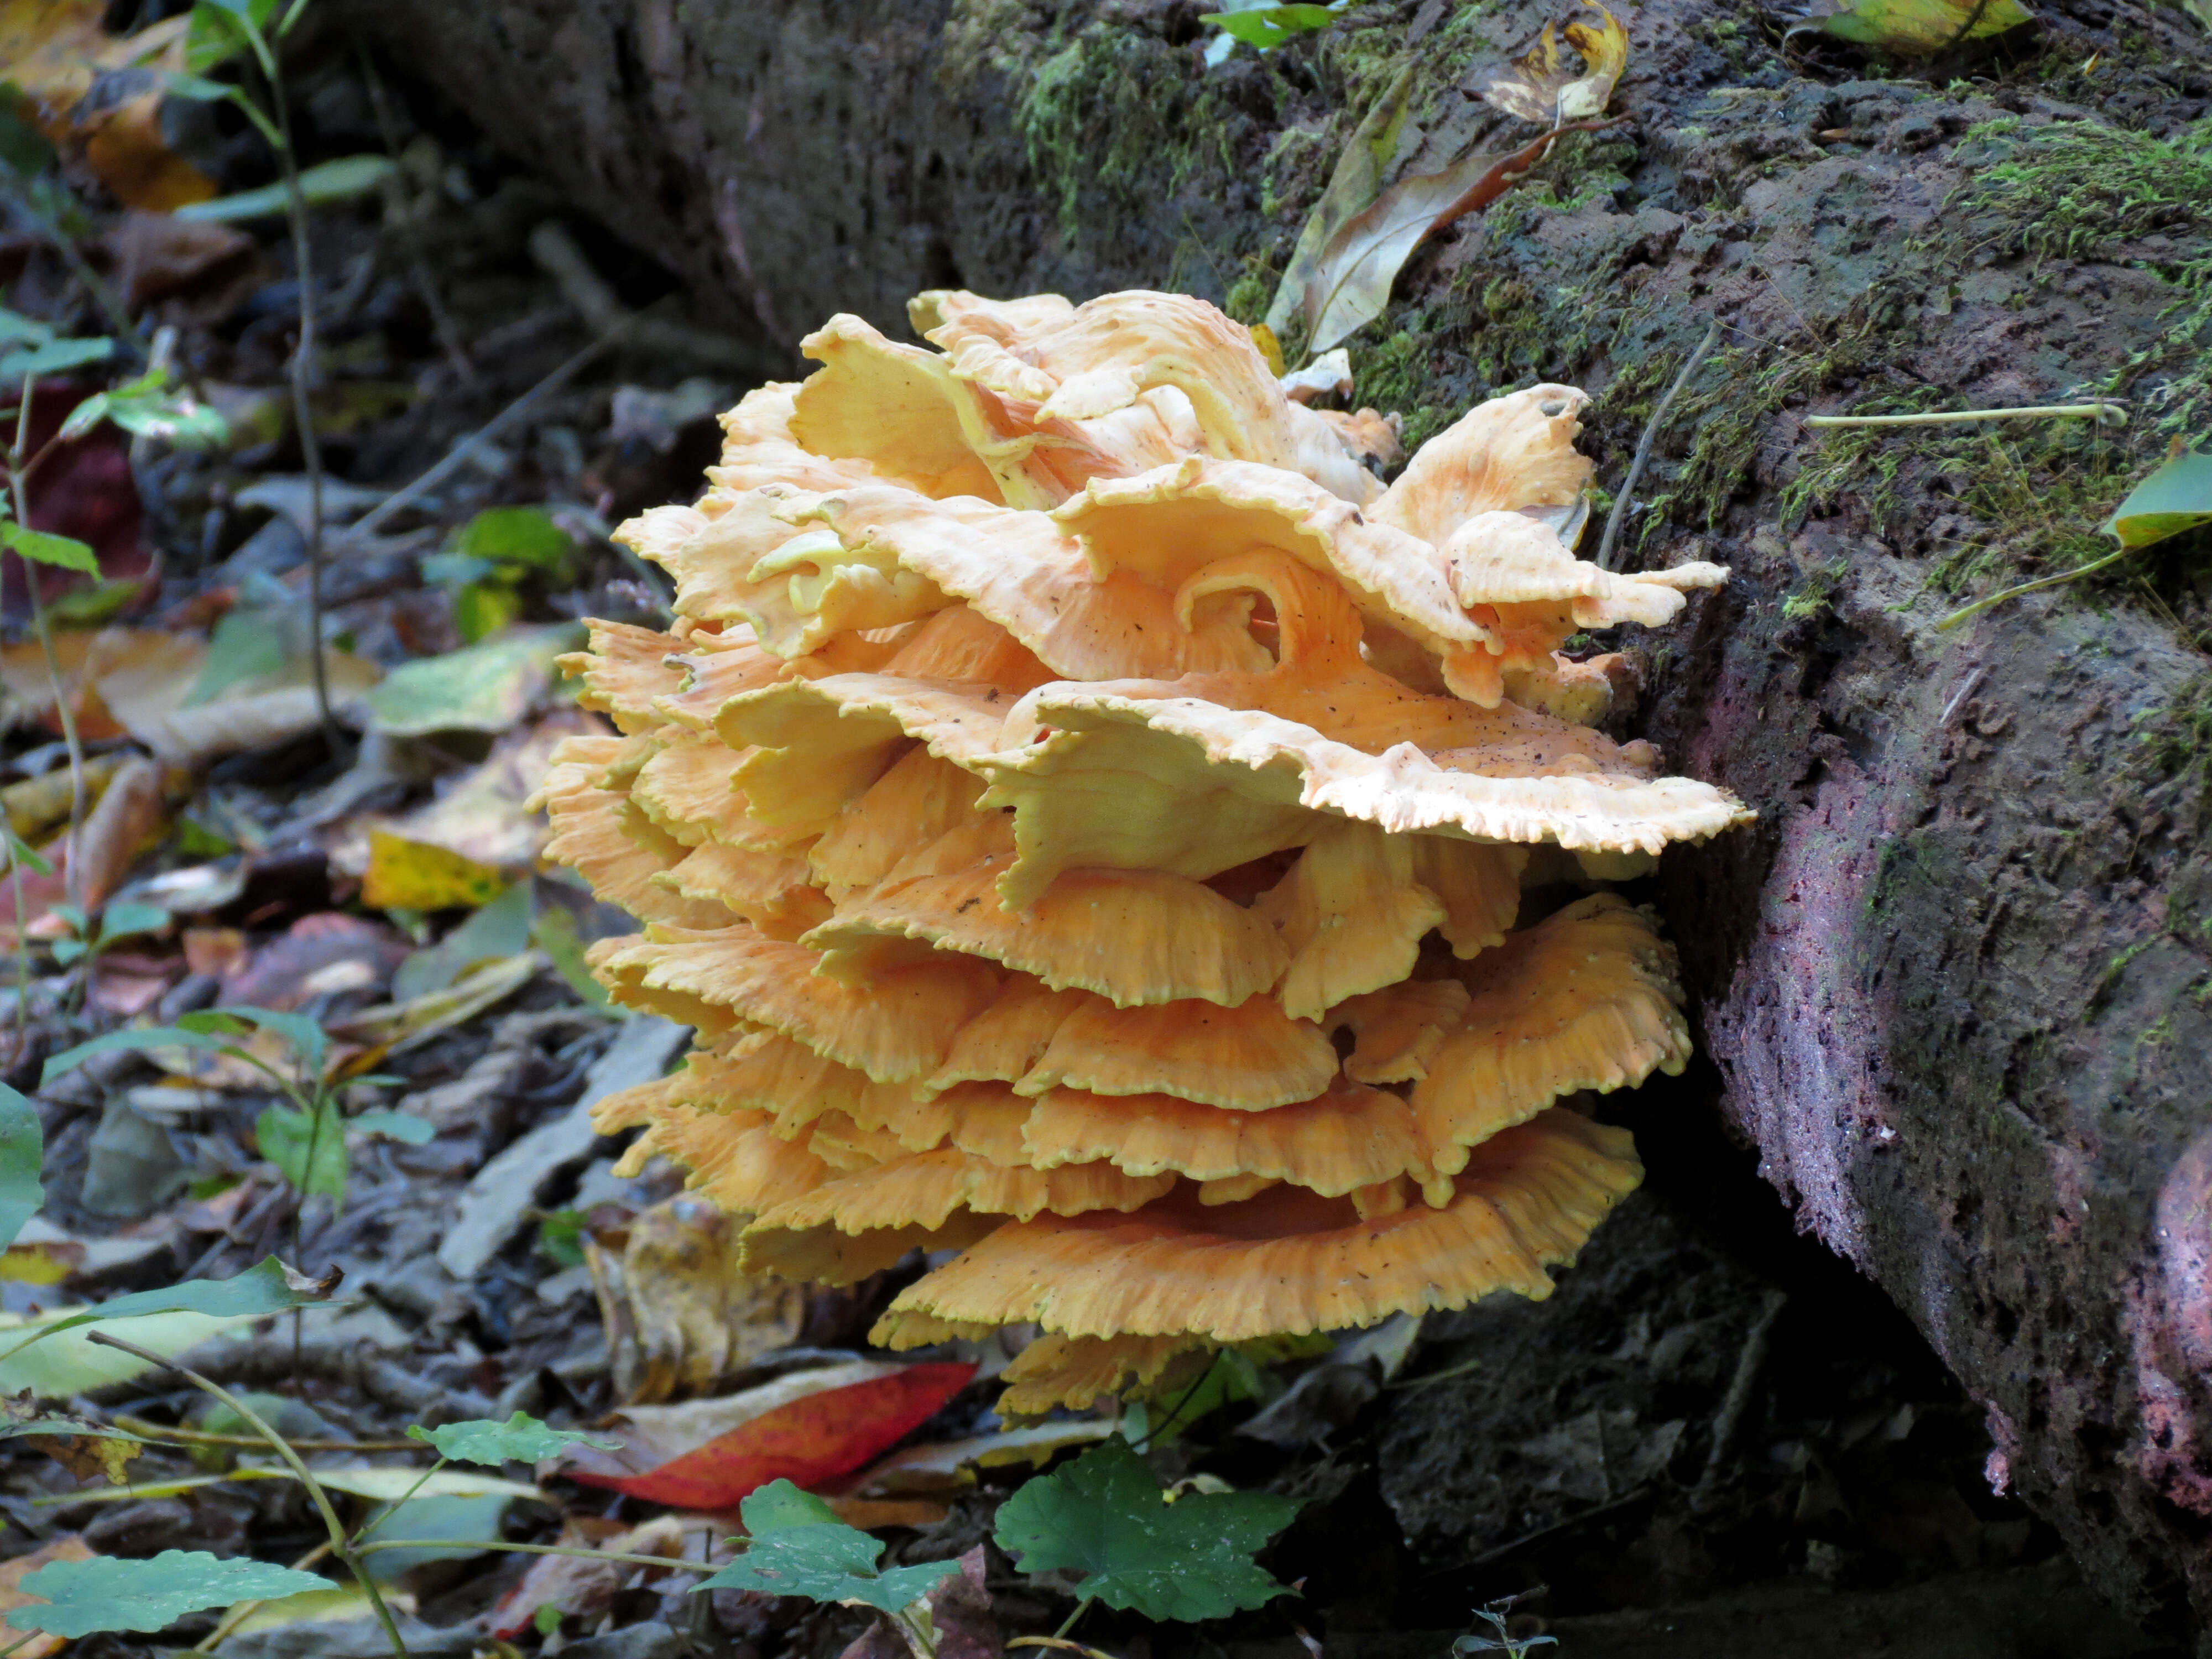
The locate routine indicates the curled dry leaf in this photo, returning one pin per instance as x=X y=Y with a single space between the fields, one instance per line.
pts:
x=1538 y=86
x=1350 y=283
x=681 y=1315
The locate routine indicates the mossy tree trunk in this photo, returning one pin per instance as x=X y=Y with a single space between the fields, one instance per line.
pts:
x=1955 y=982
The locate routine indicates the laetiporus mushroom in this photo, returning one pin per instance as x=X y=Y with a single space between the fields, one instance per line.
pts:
x=1086 y=816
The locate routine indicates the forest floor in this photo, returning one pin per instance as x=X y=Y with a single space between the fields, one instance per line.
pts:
x=1716 y=1438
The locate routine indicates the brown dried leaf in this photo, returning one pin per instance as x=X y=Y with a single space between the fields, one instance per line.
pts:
x=1352 y=283
x=692 y=1317
x=1540 y=89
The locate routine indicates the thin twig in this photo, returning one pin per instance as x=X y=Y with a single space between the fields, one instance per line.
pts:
x=19 y=485
x=458 y=454
x=673 y=1563
x=2103 y=414
x=340 y=1545
x=303 y=414
x=206 y=1438
x=1074 y=1619
x=1060 y=1642
x=1619 y=516
x=1980 y=605
x=1960 y=697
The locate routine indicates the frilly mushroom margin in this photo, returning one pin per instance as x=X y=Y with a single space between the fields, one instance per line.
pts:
x=1106 y=839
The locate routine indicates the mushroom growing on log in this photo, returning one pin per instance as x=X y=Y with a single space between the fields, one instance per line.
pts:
x=1950 y=980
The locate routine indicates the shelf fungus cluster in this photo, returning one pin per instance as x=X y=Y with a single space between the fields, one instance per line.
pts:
x=1087 y=817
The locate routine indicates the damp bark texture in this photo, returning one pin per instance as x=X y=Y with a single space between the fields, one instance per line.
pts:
x=1953 y=986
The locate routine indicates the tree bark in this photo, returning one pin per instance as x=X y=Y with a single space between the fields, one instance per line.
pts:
x=1955 y=982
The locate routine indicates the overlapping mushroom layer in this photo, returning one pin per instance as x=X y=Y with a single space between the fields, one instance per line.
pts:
x=1087 y=817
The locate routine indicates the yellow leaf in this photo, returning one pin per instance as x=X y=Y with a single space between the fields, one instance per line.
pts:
x=1538 y=88
x=1270 y=348
x=413 y=875
x=1920 y=28
x=48 y=46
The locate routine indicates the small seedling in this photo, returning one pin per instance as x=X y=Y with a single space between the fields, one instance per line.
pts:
x=1502 y=1639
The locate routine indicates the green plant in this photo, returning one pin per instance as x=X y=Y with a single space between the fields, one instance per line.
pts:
x=1501 y=1639
x=221 y=31
x=494 y=557
x=306 y=1140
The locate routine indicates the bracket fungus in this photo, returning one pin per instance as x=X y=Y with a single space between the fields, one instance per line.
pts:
x=1105 y=838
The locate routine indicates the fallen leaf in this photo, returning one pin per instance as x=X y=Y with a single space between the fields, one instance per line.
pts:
x=501 y=928
x=488 y=687
x=871 y=1514
x=54 y=50
x=683 y=1316
x=138 y=682
x=68 y=1548
x=396 y=1027
x=584 y=1587
x=196 y=273
x=805 y=1435
x=1351 y=284
x=128 y=819
x=2175 y=498
x=1540 y=89
x=1917 y=28
x=37 y=805
x=482 y=814
x=413 y=875
x=948 y=1466
x=1354 y=184
x=324 y=951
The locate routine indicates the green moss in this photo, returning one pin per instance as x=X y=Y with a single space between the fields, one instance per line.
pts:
x=2080 y=190
x=2175 y=741
x=1812 y=600
x=1397 y=375
x=1116 y=113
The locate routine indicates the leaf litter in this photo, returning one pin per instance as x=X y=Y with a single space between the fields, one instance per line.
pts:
x=457 y=1018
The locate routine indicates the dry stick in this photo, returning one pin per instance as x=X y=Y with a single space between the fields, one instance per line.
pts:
x=1619 y=516
x=407 y=495
x=303 y=414
x=340 y=1545
x=2103 y=414
x=206 y=1438
x=20 y=487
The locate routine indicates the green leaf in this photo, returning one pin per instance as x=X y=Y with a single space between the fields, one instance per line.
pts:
x=19 y=849
x=2175 y=498
x=1105 y=1516
x=1267 y=27
x=85 y=416
x=24 y=150
x=517 y=535
x=108 y=1593
x=22 y=1144
x=521 y=1439
x=131 y=1037
x=331 y=181
x=547 y=1618
x=67 y=951
x=221 y=29
x=66 y=551
x=307 y=1148
x=52 y=358
x=1921 y=28
x=247 y=644
x=268 y=1287
x=560 y=1237
x=16 y=329
x=304 y=1035
x=394 y=1125
x=199 y=89
x=125 y=921
x=799 y=1547
x=500 y=928
x=482 y=609
x=488 y=687
x=555 y=934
